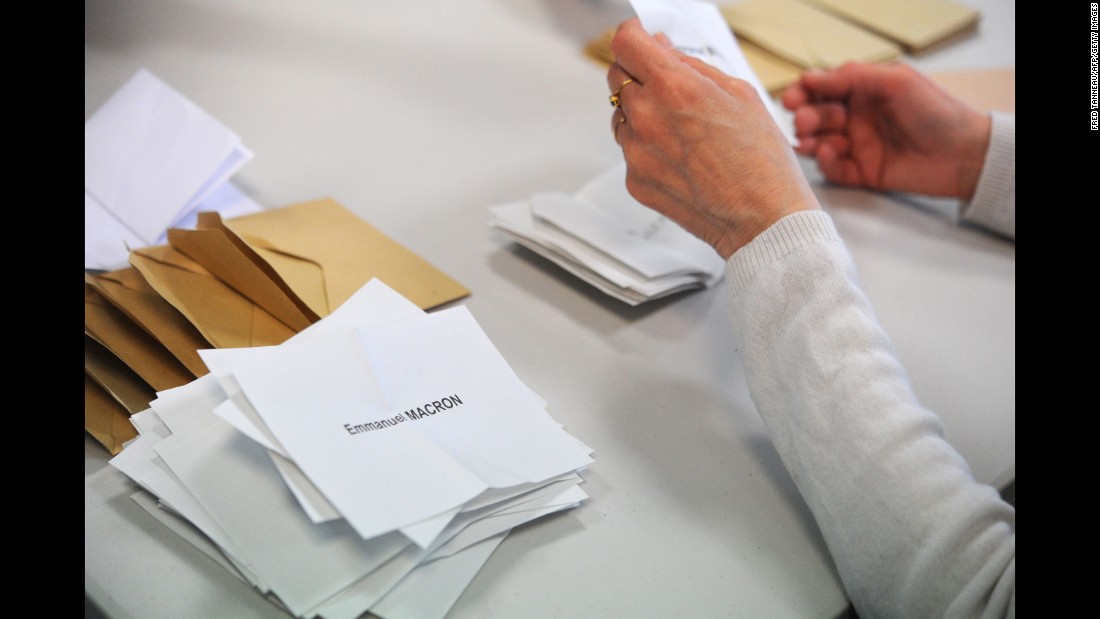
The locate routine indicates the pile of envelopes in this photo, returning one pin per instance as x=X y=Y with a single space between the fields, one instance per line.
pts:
x=345 y=470
x=783 y=38
x=254 y=280
x=604 y=236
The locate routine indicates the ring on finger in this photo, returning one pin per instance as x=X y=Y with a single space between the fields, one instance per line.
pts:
x=614 y=98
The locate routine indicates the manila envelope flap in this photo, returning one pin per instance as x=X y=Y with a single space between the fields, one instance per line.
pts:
x=226 y=318
x=105 y=419
x=804 y=35
x=325 y=253
x=232 y=261
x=116 y=378
x=127 y=290
x=133 y=345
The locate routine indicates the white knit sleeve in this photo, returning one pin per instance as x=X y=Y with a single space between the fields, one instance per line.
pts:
x=911 y=531
x=994 y=203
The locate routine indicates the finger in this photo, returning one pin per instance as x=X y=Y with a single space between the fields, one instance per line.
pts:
x=619 y=95
x=872 y=79
x=836 y=169
x=616 y=75
x=835 y=143
x=824 y=85
x=618 y=119
x=795 y=96
x=640 y=54
x=820 y=118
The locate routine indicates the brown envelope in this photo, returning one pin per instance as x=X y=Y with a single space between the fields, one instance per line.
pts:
x=229 y=259
x=140 y=351
x=914 y=24
x=128 y=291
x=105 y=419
x=804 y=35
x=224 y=317
x=775 y=73
x=118 y=380
x=325 y=253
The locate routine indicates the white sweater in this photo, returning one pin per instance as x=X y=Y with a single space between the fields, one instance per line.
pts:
x=912 y=533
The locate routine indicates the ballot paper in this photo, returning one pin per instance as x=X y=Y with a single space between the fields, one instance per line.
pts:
x=152 y=160
x=610 y=240
x=699 y=29
x=220 y=485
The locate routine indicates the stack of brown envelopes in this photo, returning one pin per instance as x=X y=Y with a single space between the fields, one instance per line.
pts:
x=249 y=281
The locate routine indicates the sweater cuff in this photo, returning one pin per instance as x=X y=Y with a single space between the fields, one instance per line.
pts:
x=783 y=238
x=994 y=203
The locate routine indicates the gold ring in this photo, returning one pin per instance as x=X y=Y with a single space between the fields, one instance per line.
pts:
x=614 y=98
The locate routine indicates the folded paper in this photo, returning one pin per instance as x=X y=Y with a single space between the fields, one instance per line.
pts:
x=151 y=157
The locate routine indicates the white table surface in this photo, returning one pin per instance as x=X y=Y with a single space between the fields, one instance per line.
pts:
x=419 y=116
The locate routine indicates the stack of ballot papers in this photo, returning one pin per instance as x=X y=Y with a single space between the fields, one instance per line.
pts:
x=604 y=236
x=371 y=462
x=152 y=160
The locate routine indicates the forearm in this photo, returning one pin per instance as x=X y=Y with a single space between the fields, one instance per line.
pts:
x=994 y=203
x=911 y=532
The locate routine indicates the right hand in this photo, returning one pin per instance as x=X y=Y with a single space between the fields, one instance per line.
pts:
x=887 y=127
x=700 y=146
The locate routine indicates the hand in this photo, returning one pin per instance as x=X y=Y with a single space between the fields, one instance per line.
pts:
x=887 y=127
x=700 y=147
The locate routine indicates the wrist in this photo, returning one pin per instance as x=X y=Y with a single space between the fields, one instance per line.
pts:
x=737 y=237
